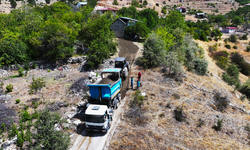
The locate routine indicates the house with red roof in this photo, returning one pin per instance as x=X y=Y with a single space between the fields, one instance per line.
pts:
x=229 y=29
x=104 y=10
x=181 y=9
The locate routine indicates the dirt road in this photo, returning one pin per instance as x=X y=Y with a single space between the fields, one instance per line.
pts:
x=95 y=140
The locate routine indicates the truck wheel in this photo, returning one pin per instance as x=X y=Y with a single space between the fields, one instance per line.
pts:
x=119 y=97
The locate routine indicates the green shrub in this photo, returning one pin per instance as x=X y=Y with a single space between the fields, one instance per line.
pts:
x=25 y=116
x=35 y=115
x=221 y=102
x=13 y=131
x=153 y=51
x=20 y=71
x=138 y=99
x=218 y=125
x=200 y=66
x=36 y=85
x=243 y=97
x=222 y=62
x=34 y=65
x=247 y=127
x=244 y=37
x=179 y=114
x=213 y=48
x=9 y=88
x=46 y=133
x=245 y=88
x=233 y=38
x=17 y=101
x=241 y=63
x=176 y=96
x=20 y=140
x=248 y=48
x=157 y=4
x=235 y=47
x=228 y=46
x=226 y=40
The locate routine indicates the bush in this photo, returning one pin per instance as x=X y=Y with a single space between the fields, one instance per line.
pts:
x=176 y=96
x=241 y=63
x=9 y=88
x=138 y=99
x=36 y=85
x=179 y=114
x=244 y=37
x=245 y=88
x=235 y=47
x=213 y=48
x=243 y=97
x=154 y=51
x=46 y=134
x=21 y=72
x=48 y=70
x=221 y=102
x=219 y=125
x=222 y=62
x=25 y=116
x=226 y=40
x=200 y=66
x=233 y=38
x=13 y=131
x=248 y=48
x=17 y=101
x=157 y=4
x=228 y=46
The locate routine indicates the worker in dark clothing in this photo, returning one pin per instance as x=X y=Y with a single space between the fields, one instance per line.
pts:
x=138 y=84
x=132 y=82
x=139 y=76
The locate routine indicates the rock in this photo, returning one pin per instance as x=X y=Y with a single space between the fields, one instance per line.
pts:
x=230 y=104
x=73 y=109
x=143 y=94
x=71 y=115
x=69 y=121
x=76 y=122
x=5 y=97
x=91 y=75
x=81 y=104
x=66 y=125
x=243 y=105
x=57 y=127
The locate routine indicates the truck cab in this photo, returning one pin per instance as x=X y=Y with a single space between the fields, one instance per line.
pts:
x=123 y=64
x=98 y=118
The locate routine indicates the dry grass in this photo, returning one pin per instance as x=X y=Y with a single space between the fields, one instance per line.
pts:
x=163 y=131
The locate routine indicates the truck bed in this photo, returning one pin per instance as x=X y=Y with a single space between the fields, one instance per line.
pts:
x=107 y=81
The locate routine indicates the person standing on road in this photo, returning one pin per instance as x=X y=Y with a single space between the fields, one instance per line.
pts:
x=138 y=84
x=139 y=76
x=132 y=82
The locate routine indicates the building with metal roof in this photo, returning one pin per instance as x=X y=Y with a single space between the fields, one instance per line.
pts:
x=118 y=26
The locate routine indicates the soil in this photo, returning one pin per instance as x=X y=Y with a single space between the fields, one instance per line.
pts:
x=128 y=50
x=106 y=81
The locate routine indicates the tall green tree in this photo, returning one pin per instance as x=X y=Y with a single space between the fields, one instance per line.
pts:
x=46 y=137
x=168 y=38
x=12 y=50
x=175 y=20
x=151 y=17
x=97 y=36
x=138 y=28
x=154 y=51
x=128 y=12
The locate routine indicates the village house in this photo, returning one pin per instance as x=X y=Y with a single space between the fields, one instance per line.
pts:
x=181 y=9
x=229 y=29
x=80 y=4
x=104 y=10
x=118 y=26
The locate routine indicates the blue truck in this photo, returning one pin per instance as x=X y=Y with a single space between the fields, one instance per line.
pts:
x=107 y=90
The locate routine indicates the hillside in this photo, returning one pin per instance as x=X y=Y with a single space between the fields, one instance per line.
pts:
x=153 y=124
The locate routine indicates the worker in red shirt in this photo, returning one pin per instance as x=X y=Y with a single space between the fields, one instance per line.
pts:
x=139 y=76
